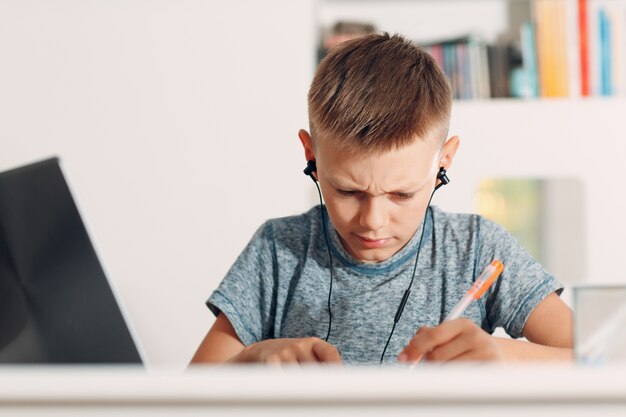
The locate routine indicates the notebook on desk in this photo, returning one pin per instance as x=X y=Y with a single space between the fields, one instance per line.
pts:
x=56 y=304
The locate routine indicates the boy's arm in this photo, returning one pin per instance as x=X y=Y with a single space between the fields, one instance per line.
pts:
x=550 y=323
x=222 y=344
x=549 y=331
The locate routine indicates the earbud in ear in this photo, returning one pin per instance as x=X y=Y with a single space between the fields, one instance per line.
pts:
x=442 y=177
x=311 y=167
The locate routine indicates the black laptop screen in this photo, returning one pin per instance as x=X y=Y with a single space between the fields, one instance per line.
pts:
x=56 y=305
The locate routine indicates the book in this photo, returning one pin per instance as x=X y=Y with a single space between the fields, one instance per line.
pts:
x=583 y=46
x=572 y=40
x=464 y=62
x=529 y=60
x=562 y=67
x=617 y=17
x=551 y=38
x=499 y=69
x=604 y=25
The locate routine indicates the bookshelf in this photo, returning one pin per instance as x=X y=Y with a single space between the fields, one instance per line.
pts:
x=503 y=48
x=568 y=137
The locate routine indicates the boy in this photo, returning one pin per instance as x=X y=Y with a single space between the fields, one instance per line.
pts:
x=327 y=288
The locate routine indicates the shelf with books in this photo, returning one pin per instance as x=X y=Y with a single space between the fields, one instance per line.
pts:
x=500 y=48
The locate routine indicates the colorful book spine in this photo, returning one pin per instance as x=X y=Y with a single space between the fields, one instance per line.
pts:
x=464 y=62
x=617 y=17
x=605 y=53
x=485 y=75
x=583 y=34
x=561 y=67
x=529 y=59
x=573 y=49
x=544 y=43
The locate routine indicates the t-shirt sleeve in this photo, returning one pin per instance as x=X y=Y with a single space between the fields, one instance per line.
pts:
x=245 y=294
x=524 y=283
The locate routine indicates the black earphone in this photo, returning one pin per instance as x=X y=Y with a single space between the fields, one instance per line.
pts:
x=311 y=167
x=442 y=176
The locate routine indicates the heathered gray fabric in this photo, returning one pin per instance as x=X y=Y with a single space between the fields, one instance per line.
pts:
x=278 y=286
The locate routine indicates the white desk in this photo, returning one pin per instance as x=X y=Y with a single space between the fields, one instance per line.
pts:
x=472 y=390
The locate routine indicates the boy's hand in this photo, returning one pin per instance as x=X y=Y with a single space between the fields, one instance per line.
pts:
x=455 y=340
x=306 y=350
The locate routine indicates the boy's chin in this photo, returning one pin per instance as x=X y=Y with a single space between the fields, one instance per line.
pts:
x=373 y=255
x=361 y=253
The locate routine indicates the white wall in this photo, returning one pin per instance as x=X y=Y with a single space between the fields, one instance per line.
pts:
x=176 y=122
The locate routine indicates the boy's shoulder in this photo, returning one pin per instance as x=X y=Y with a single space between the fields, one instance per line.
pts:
x=442 y=217
x=445 y=219
x=294 y=223
x=293 y=232
x=468 y=225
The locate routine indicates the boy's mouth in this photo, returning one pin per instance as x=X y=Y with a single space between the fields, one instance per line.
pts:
x=373 y=243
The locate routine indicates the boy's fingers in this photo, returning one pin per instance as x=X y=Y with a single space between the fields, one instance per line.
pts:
x=280 y=358
x=326 y=352
x=448 y=351
x=417 y=347
x=303 y=350
x=427 y=339
x=305 y=353
x=451 y=329
x=414 y=351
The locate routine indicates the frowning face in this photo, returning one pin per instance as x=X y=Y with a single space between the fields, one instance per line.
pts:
x=377 y=202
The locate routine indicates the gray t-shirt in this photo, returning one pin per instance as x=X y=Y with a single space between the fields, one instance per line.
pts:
x=278 y=286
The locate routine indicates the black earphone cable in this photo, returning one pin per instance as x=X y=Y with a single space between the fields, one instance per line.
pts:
x=330 y=259
x=407 y=292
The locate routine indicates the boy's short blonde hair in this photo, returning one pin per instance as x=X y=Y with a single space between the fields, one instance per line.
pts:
x=376 y=93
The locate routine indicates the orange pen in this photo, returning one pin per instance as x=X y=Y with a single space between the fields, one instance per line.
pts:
x=482 y=284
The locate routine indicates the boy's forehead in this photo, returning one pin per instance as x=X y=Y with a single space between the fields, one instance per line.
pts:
x=330 y=148
x=408 y=165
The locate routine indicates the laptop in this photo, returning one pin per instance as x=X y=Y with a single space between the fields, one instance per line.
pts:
x=56 y=304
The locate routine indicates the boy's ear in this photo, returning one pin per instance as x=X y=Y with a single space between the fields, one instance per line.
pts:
x=448 y=151
x=307 y=143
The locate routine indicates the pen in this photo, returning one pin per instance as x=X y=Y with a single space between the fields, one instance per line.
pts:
x=482 y=284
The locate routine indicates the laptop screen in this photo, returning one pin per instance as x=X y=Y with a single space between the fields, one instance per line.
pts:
x=56 y=304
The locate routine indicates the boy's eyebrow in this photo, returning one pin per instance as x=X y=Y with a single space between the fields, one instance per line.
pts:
x=349 y=185
x=344 y=184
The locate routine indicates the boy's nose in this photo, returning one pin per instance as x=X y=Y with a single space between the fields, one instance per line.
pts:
x=373 y=214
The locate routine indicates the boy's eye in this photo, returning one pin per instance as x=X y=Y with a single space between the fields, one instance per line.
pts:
x=403 y=196
x=346 y=193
